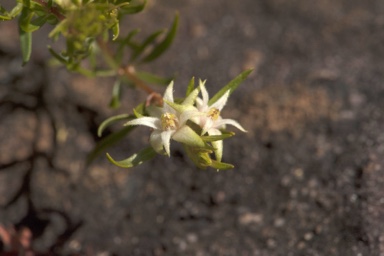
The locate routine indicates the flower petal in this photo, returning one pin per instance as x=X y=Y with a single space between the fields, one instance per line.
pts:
x=209 y=123
x=199 y=104
x=156 y=141
x=204 y=92
x=220 y=103
x=223 y=122
x=189 y=114
x=166 y=138
x=152 y=122
x=168 y=95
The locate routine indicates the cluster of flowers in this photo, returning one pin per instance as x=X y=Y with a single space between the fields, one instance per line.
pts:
x=194 y=121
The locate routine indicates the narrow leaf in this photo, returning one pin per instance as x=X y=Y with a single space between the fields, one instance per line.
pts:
x=217 y=137
x=16 y=10
x=163 y=45
x=57 y=56
x=153 y=79
x=131 y=9
x=221 y=165
x=150 y=39
x=107 y=142
x=139 y=110
x=115 y=31
x=110 y=121
x=4 y=15
x=191 y=86
x=116 y=95
x=231 y=86
x=26 y=45
x=136 y=159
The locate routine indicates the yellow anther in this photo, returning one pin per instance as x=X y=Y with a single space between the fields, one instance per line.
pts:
x=213 y=113
x=168 y=121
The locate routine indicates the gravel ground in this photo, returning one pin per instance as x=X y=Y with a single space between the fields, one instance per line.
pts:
x=309 y=176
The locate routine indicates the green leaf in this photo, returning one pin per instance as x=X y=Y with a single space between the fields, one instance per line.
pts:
x=139 y=110
x=4 y=15
x=107 y=142
x=16 y=10
x=221 y=165
x=110 y=121
x=38 y=22
x=140 y=49
x=136 y=159
x=115 y=31
x=191 y=86
x=131 y=9
x=116 y=95
x=153 y=79
x=199 y=157
x=217 y=137
x=126 y=41
x=57 y=56
x=163 y=45
x=26 y=45
x=231 y=86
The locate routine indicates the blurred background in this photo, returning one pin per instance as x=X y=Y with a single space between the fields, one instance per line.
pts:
x=308 y=179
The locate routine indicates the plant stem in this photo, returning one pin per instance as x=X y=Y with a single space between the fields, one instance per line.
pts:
x=128 y=71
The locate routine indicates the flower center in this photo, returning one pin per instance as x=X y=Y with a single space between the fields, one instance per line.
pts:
x=168 y=121
x=213 y=113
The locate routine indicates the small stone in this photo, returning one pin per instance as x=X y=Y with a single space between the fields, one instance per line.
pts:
x=250 y=218
x=279 y=222
x=308 y=236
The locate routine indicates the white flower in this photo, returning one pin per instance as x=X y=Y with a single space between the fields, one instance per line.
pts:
x=168 y=123
x=211 y=122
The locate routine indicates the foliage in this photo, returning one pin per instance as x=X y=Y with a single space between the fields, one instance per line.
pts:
x=94 y=47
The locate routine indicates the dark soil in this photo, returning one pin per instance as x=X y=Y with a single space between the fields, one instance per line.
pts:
x=309 y=175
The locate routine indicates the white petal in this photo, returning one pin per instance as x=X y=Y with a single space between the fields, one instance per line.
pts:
x=152 y=122
x=208 y=125
x=220 y=103
x=189 y=114
x=166 y=138
x=222 y=122
x=156 y=141
x=204 y=93
x=200 y=104
x=168 y=95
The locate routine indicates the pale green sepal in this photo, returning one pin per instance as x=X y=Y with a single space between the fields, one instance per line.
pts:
x=218 y=145
x=136 y=159
x=179 y=107
x=217 y=137
x=199 y=158
x=191 y=98
x=187 y=136
x=111 y=120
x=231 y=86
x=221 y=166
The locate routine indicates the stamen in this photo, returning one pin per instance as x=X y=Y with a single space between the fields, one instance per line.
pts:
x=168 y=121
x=213 y=113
